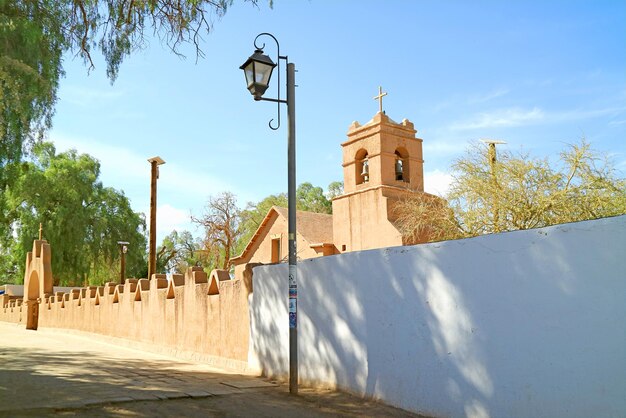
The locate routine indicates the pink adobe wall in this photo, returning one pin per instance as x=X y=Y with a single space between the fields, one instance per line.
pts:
x=194 y=313
x=12 y=309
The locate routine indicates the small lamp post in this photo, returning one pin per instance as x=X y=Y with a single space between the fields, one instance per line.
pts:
x=258 y=71
x=123 y=250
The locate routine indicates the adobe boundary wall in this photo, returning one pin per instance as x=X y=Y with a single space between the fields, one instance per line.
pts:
x=521 y=324
x=192 y=316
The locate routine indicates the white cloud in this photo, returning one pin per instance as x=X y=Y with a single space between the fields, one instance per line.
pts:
x=579 y=114
x=500 y=118
x=503 y=118
x=441 y=146
x=170 y=218
x=82 y=96
x=123 y=169
x=437 y=182
x=494 y=94
x=112 y=159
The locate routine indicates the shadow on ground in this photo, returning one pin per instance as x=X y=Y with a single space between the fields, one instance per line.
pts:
x=35 y=382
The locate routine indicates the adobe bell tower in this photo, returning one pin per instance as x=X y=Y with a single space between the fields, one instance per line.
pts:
x=382 y=162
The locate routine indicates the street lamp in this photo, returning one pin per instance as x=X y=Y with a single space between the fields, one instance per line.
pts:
x=258 y=71
x=123 y=249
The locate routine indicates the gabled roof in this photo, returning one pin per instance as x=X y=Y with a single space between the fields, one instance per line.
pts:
x=315 y=228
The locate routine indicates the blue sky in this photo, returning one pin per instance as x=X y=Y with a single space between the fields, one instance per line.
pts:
x=537 y=74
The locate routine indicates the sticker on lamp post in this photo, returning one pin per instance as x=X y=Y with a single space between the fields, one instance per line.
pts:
x=293 y=303
x=292 y=276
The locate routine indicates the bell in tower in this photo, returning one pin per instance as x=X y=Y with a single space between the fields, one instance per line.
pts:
x=399 y=169
x=366 y=170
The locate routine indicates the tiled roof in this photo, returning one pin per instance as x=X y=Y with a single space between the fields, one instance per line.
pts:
x=314 y=227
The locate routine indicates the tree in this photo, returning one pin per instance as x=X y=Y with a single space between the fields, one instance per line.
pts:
x=519 y=192
x=222 y=227
x=82 y=219
x=253 y=215
x=118 y=28
x=312 y=199
x=425 y=218
x=334 y=189
x=178 y=251
x=31 y=45
x=34 y=35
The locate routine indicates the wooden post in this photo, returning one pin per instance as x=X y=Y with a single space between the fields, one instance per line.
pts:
x=155 y=162
x=492 y=163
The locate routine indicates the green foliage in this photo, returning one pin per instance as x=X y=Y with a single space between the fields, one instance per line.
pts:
x=253 y=214
x=31 y=45
x=178 y=251
x=82 y=220
x=524 y=192
x=520 y=192
x=334 y=189
x=118 y=28
x=312 y=199
x=34 y=35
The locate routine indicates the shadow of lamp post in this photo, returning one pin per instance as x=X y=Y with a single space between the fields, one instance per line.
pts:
x=258 y=71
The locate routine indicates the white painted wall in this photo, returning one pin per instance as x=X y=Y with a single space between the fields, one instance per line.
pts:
x=520 y=324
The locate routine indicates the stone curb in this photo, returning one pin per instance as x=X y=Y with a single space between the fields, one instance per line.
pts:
x=153 y=396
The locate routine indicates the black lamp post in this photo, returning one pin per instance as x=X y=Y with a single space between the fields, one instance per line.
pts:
x=258 y=71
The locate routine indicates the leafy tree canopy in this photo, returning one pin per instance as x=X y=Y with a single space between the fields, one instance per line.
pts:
x=517 y=191
x=82 y=219
x=178 y=251
x=34 y=35
x=334 y=189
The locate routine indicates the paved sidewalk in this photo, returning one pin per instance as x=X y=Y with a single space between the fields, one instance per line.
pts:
x=50 y=373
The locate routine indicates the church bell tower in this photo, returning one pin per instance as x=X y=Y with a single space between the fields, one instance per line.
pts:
x=382 y=162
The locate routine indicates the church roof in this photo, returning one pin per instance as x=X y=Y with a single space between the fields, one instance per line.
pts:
x=315 y=228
